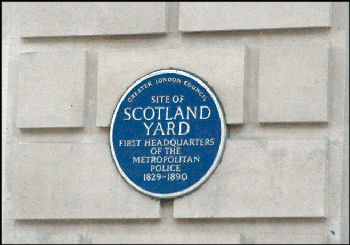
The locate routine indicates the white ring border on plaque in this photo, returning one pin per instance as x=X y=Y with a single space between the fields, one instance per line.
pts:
x=219 y=154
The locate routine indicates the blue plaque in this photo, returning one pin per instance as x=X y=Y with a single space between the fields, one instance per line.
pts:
x=167 y=133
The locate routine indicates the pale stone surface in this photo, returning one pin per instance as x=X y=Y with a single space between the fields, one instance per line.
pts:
x=252 y=15
x=118 y=70
x=293 y=83
x=71 y=181
x=291 y=238
x=181 y=238
x=339 y=79
x=12 y=86
x=261 y=230
x=52 y=90
x=345 y=195
x=93 y=18
x=4 y=67
x=263 y=178
x=42 y=232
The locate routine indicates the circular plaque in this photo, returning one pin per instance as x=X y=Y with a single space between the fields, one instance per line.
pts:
x=167 y=133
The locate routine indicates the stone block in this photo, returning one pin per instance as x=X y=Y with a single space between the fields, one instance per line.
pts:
x=41 y=232
x=52 y=89
x=91 y=18
x=181 y=238
x=263 y=178
x=71 y=181
x=118 y=70
x=293 y=83
x=213 y=16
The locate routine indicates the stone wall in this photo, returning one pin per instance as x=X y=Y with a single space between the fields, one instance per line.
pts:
x=279 y=69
